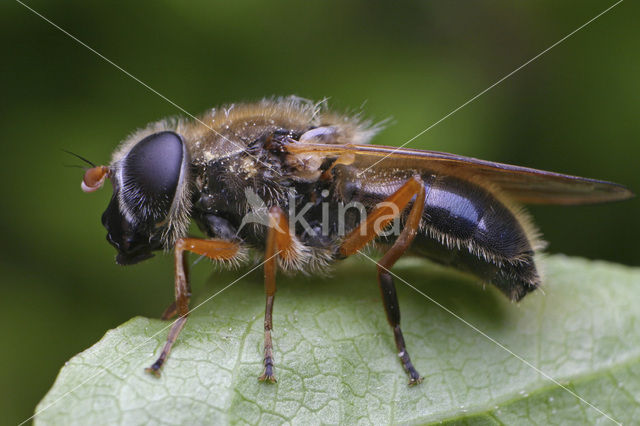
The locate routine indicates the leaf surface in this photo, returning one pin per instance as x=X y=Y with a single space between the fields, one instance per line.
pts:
x=336 y=361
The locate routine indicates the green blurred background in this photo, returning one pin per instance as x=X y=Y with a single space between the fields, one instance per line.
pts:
x=574 y=110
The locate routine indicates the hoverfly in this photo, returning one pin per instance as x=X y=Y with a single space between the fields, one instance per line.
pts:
x=297 y=156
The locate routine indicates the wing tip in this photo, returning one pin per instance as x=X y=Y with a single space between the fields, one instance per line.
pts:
x=616 y=191
x=624 y=193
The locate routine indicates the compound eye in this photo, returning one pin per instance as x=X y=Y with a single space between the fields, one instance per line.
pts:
x=151 y=172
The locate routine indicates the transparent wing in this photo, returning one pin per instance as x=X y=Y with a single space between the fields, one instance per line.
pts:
x=519 y=183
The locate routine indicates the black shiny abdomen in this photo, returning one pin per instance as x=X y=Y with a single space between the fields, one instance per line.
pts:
x=467 y=227
x=464 y=211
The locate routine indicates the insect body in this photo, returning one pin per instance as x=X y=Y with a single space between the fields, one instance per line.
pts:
x=289 y=179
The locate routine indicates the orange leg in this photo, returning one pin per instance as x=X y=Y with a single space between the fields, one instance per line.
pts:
x=171 y=311
x=213 y=249
x=279 y=243
x=356 y=240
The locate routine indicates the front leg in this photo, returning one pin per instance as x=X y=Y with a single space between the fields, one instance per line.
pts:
x=213 y=249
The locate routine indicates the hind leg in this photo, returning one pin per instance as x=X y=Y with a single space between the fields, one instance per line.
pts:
x=354 y=241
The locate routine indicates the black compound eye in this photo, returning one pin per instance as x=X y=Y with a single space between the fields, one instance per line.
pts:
x=151 y=172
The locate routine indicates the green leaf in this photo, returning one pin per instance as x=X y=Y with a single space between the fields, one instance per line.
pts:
x=336 y=361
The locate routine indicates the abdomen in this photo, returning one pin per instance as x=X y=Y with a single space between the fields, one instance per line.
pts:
x=469 y=227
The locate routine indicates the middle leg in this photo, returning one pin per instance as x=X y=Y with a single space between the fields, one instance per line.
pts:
x=279 y=244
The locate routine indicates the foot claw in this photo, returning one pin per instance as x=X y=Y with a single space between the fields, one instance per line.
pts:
x=154 y=369
x=267 y=378
x=415 y=381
